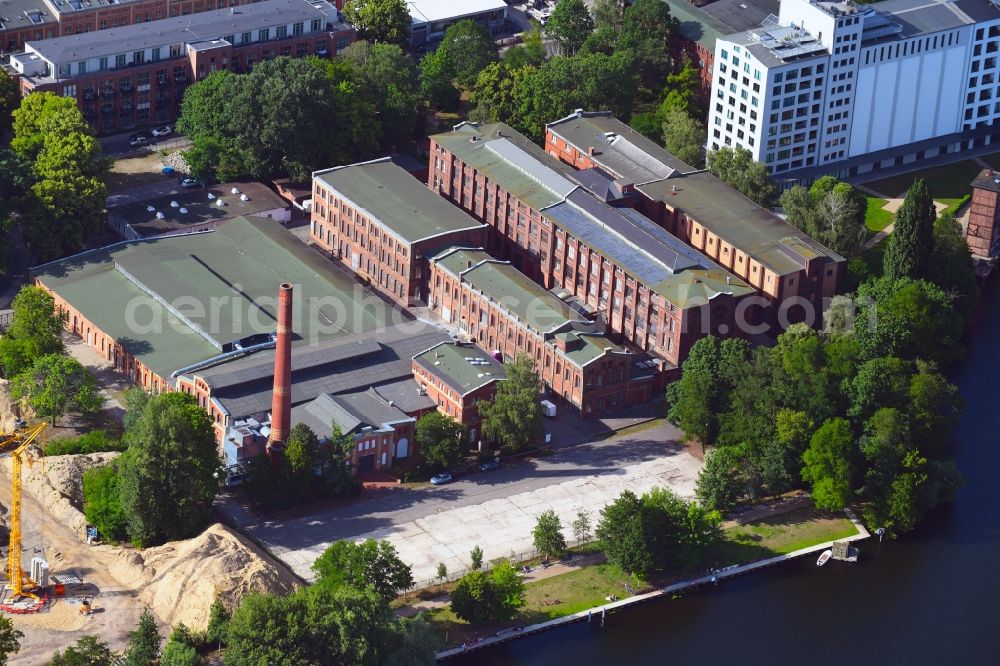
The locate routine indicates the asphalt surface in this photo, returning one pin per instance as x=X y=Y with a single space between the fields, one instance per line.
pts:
x=117 y=145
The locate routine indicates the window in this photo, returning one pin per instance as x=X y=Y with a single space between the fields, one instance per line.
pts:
x=314 y=25
x=103 y=63
x=81 y=67
x=281 y=31
x=138 y=57
x=297 y=28
x=120 y=60
x=245 y=38
x=156 y=54
x=69 y=91
x=263 y=34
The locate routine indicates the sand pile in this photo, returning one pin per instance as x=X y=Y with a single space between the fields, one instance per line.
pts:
x=180 y=580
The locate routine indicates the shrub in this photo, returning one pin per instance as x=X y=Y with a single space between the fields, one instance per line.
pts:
x=102 y=504
x=95 y=441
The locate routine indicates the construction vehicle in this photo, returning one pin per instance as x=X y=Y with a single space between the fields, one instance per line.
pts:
x=16 y=444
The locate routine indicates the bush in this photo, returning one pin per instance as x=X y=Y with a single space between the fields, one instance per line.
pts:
x=488 y=596
x=95 y=441
x=102 y=504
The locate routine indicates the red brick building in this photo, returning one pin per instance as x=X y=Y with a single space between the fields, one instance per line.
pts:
x=653 y=291
x=457 y=376
x=507 y=314
x=136 y=74
x=382 y=223
x=983 y=230
x=794 y=272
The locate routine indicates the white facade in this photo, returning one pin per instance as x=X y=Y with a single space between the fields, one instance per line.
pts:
x=831 y=83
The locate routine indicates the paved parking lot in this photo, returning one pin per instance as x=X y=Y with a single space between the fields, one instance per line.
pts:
x=495 y=510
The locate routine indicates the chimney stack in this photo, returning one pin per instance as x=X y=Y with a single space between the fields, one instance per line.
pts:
x=281 y=400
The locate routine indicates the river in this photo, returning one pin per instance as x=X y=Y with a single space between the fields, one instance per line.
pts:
x=931 y=597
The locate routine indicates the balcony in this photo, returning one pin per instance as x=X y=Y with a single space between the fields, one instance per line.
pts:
x=107 y=92
x=181 y=78
x=163 y=81
x=89 y=94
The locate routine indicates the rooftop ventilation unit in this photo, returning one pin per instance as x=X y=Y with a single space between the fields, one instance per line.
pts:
x=210 y=196
x=183 y=210
x=235 y=190
x=174 y=204
x=220 y=203
x=151 y=209
x=160 y=216
x=244 y=197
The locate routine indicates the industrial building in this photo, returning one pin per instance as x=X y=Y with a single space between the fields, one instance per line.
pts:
x=838 y=88
x=784 y=264
x=982 y=230
x=382 y=223
x=555 y=225
x=136 y=75
x=432 y=17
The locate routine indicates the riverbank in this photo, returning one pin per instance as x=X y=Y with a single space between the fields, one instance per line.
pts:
x=581 y=592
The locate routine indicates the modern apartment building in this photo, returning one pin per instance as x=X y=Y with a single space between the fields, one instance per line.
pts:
x=432 y=17
x=506 y=313
x=650 y=290
x=843 y=89
x=382 y=223
x=785 y=265
x=136 y=74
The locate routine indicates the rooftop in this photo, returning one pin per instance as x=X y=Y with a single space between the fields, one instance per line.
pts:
x=463 y=367
x=19 y=14
x=920 y=17
x=402 y=204
x=352 y=412
x=988 y=179
x=429 y=11
x=199 y=205
x=201 y=27
x=173 y=301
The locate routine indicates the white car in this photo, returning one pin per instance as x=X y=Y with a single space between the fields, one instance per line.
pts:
x=441 y=479
x=163 y=131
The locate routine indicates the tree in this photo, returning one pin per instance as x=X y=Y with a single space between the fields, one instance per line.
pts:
x=437 y=81
x=723 y=481
x=10 y=98
x=380 y=21
x=10 y=640
x=35 y=116
x=204 y=157
x=581 y=527
x=694 y=400
x=736 y=168
x=570 y=24
x=269 y=629
x=35 y=331
x=389 y=81
x=623 y=535
x=531 y=50
x=218 y=624
x=476 y=558
x=648 y=30
x=144 y=642
x=88 y=651
x=440 y=440
x=301 y=455
x=441 y=572
x=683 y=135
x=829 y=465
x=56 y=384
x=102 y=504
x=608 y=14
x=498 y=90
x=514 y=416
x=682 y=90
x=170 y=474
x=951 y=265
x=830 y=211
x=179 y=654
x=911 y=243
x=547 y=535
x=468 y=48
x=16 y=179
x=488 y=596
x=370 y=564
x=934 y=407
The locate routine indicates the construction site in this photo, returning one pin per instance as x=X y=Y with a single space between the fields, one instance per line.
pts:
x=61 y=584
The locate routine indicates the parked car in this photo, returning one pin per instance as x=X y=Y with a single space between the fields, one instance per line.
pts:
x=490 y=465
x=190 y=182
x=138 y=140
x=163 y=131
x=442 y=478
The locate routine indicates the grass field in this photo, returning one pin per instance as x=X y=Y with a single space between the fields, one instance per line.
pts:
x=993 y=160
x=876 y=219
x=947 y=183
x=873 y=257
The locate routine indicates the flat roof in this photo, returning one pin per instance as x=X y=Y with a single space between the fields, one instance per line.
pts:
x=172 y=301
x=450 y=362
x=919 y=17
x=430 y=11
x=201 y=27
x=201 y=206
x=707 y=22
x=388 y=194
x=21 y=14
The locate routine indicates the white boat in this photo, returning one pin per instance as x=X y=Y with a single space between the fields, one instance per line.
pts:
x=824 y=557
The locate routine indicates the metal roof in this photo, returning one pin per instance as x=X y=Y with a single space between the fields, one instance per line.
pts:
x=450 y=362
x=20 y=14
x=397 y=201
x=352 y=412
x=430 y=11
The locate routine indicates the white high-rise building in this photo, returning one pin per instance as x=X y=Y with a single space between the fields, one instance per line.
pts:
x=842 y=89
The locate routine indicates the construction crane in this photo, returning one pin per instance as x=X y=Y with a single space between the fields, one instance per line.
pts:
x=17 y=444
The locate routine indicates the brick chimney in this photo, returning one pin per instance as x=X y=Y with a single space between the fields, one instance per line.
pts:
x=281 y=400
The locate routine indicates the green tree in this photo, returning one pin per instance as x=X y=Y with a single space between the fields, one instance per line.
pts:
x=370 y=564
x=880 y=382
x=468 y=48
x=389 y=80
x=547 y=535
x=498 y=89
x=204 y=157
x=830 y=211
x=951 y=265
x=179 y=654
x=608 y=14
x=723 y=481
x=380 y=20
x=102 y=504
x=35 y=331
x=440 y=440
x=514 y=416
x=218 y=624
x=170 y=474
x=143 y=643
x=441 y=572
x=683 y=135
x=10 y=99
x=301 y=455
x=696 y=399
x=648 y=30
x=531 y=50
x=16 y=178
x=34 y=117
x=10 y=640
x=476 y=558
x=581 y=527
x=911 y=243
x=437 y=81
x=623 y=534
x=934 y=408
x=56 y=384
x=488 y=596
x=88 y=651
x=270 y=629
x=828 y=464
x=570 y=24
x=681 y=91
x=736 y=168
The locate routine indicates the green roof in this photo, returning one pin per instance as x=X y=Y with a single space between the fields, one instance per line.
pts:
x=455 y=260
x=450 y=362
x=697 y=286
x=696 y=25
x=513 y=291
x=402 y=204
x=177 y=300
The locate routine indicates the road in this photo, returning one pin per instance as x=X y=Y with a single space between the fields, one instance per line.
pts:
x=116 y=145
x=495 y=510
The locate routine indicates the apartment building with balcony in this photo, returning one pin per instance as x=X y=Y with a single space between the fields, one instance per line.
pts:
x=382 y=223
x=650 y=290
x=843 y=89
x=136 y=74
x=506 y=313
x=791 y=270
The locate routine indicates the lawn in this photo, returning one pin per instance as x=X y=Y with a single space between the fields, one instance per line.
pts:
x=780 y=535
x=993 y=160
x=873 y=256
x=947 y=183
x=876 y=218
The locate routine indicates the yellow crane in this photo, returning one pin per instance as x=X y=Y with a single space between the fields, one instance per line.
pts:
x=17 y=445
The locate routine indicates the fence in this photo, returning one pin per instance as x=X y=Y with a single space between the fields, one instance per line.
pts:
x=6 y=317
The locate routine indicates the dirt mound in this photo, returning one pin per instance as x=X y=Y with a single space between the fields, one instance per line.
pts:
x=180 y=580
